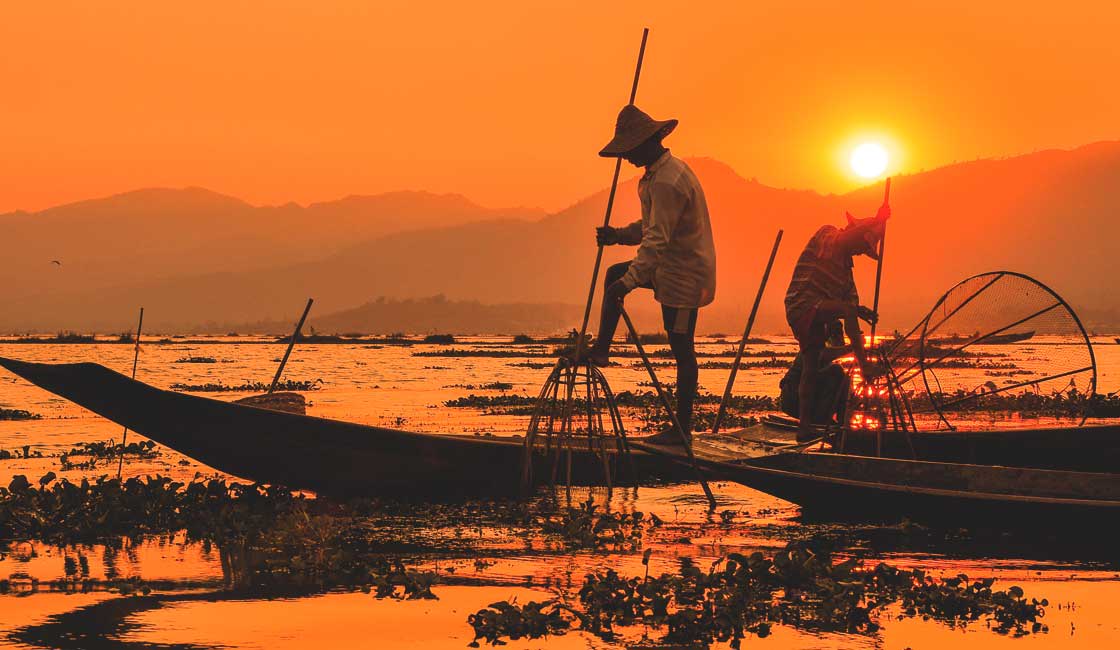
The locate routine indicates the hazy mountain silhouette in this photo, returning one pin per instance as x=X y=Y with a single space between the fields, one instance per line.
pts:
x=139 y=236
x=1049 y=214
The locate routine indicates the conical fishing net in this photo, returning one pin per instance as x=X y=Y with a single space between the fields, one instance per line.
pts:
x=998 y=350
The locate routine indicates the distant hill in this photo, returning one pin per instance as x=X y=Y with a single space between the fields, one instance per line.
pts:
x=1050 y=214
x=155 y=234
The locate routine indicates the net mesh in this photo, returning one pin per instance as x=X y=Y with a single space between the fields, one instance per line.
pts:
x=998 y=350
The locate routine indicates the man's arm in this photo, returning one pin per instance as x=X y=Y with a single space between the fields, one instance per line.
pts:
x=630 y=235
x=666 y=206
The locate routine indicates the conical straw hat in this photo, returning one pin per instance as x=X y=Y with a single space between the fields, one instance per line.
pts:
x=632 y=129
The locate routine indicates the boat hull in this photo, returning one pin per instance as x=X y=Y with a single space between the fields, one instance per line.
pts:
x=317 y=454
x=840 y=486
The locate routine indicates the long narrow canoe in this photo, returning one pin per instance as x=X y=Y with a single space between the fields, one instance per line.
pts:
x=845 y=486
x=1094 y=448
x=303 y=452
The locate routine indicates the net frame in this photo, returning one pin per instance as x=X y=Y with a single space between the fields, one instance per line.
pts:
x=925 y=365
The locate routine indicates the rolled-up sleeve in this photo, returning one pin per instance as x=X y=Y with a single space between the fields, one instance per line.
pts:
x=667 y=204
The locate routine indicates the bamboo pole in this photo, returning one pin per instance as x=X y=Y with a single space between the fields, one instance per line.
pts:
x=291 y=344
x=610 y=208
x=135 y=362
x=669 y=409
x=879 y=265
x=746 y=335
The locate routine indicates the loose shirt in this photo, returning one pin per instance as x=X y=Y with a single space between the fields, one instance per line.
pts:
x=677 y=254
x=824 y=271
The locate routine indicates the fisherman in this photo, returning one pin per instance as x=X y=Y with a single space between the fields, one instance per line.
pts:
x=831 y=390
x=823 y=290
x=676 y=253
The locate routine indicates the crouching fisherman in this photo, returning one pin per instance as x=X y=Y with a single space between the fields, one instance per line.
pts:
x=676 y=253
x=823 y=290
x=830 y=394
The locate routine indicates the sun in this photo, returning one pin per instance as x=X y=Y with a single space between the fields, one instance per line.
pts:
x=869 y=160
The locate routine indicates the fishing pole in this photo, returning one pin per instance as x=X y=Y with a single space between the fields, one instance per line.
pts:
x=668 y=409
x=610 y=208
x=135 y=361
x=746 y=335
x=879 y=265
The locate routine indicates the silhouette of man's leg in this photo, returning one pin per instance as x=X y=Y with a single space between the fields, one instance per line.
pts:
x=680 y=325
x=608 y=317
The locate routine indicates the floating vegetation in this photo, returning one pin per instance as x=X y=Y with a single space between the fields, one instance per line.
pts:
x=534 y=365
x=269 y=537
x=743 y=595
x=106 y=450
x=523 y=339
x=190 y=359
x=23 y=452
x=18 y=414
x=587 y=527
x=524 y=404
x=1071 y=403
x=439 y=339
x=249 y=387
x=494 y=385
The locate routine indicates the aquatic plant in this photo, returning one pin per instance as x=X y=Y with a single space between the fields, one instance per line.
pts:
x=248 y=387
x=18 y=414
x=743 y=595
x=587 y=527
x=191 y=359
x=523 y=339
x=26 y=453
x=106 y=450
x=269 y=537
x=440 y=339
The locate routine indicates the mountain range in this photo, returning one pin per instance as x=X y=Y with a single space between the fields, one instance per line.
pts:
x=197 y=260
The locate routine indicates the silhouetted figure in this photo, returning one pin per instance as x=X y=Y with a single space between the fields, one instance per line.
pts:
x=823 y=290
x=830 y=395
x=676 y=253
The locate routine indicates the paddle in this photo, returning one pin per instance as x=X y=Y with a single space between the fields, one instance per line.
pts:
x=746 y=335
x=135 y=361
x=668 y=409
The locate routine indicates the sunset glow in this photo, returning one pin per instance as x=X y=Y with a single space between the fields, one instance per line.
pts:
x=869 y=160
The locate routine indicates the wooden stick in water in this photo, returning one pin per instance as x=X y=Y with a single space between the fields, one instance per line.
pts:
x=135 y=361
x=746 y=335
x=669 y=409
x=291 y=344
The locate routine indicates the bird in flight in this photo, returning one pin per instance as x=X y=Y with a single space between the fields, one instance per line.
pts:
x=56 y=263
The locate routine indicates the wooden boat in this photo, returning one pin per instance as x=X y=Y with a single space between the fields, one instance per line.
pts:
x=1094 y=448
x=844 y=486
x=303 y=452
x=994 y=339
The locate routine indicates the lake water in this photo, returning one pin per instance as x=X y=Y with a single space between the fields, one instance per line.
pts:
x=393 y=386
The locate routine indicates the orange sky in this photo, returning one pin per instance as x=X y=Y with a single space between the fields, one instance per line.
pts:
x=507 y=102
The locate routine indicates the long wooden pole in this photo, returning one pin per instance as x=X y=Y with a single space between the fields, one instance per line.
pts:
x=746 y=335
x=291 y=344
x=135 y=362
x=610 y=208
x=669 y=408
x=879 y=265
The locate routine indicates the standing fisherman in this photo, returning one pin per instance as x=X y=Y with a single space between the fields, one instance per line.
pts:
x=823 y=290
x=676 y=255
